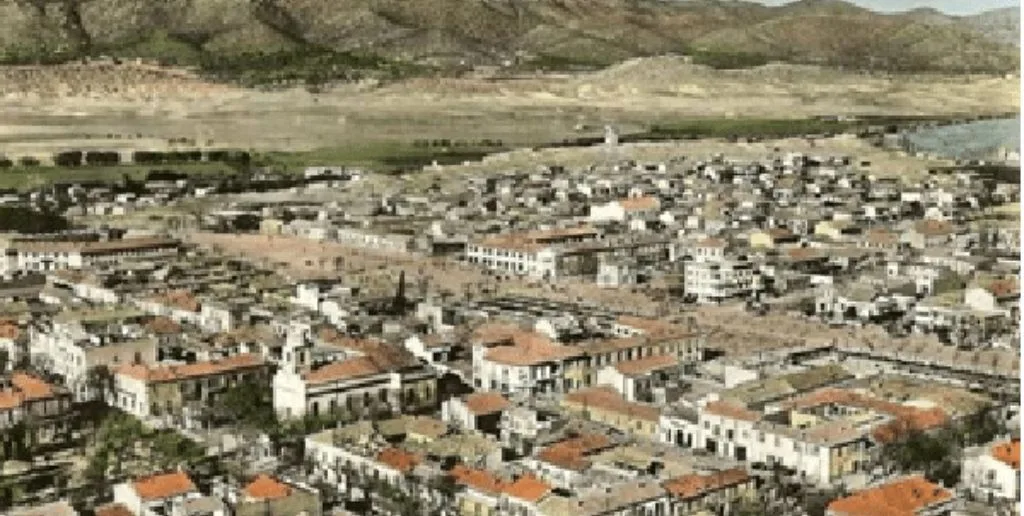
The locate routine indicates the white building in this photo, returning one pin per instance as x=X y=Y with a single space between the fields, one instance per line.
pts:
x=53 y=255
x=711 y=277
x=531 y=254
x=158 y=495
x=510 y=360
x=992 y=472
x=352 y=386
x=623 y=209
x=75 y=342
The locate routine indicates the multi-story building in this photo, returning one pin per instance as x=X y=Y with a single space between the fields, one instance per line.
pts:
x=58 y=255
x=178 y=394
x=515 y=361
x=526 y=254
x=380 y=379
x=712 y=277
x=825 y=437
x=76 y=342
x=43 y=408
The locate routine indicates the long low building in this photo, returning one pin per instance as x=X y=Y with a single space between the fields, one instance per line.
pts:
x=60 y=255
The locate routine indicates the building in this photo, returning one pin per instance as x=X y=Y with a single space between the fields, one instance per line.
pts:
x=623 y=209
x=179 y=394
x=526 y=254
x=156 y=495
x=606 y=406
x=269 y=495
x=479 y=412
x=25 y=397
x=992 y=472
x=620 y=499
x=711 y=277
x=510 y=360
x=59 y=255
x=712 y=492
x=381 y=379
x=76 y=342
x=564 y=464
x=911 y=496
x=636 y=379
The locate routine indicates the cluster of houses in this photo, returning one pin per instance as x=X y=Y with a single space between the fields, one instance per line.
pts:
x=511 y=404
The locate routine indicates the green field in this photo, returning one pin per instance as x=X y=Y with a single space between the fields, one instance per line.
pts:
x=380 y=156
x=383 y=156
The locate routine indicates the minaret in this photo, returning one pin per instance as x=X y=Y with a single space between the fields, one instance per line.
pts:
x=398 y=306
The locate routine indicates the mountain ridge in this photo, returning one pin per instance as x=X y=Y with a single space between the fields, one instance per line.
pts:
x=547 y=33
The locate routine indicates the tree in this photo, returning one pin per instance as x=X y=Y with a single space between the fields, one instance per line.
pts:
x=249 y=405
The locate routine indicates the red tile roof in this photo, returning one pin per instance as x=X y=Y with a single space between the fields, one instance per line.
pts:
x=480 y=480
x=397 y=459
x=646 y=365
x=150 y=374
x=905 y=497
x=265 y=487
x=695 y=485
x=1008 y=453
x=483 y=403
x=32 y=388
x=530 y=348
x=165 y=485
x=571 y=453
x=346 y=369
x=528 y=488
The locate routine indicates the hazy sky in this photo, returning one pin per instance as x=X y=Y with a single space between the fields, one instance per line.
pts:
x=946 y=6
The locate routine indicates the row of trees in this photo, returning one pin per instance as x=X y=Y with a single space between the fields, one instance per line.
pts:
x=77 y=158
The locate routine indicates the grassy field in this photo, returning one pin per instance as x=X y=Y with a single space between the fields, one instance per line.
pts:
x=378 y=155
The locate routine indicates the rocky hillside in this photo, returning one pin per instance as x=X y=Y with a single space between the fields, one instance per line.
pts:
x=330 y=36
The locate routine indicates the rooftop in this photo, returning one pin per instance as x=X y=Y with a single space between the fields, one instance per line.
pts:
x=1008 y=452
x=904 y=497
x=265 y=487
x=164 y=485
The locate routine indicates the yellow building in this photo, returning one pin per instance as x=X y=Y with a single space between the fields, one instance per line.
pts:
x=604 y=405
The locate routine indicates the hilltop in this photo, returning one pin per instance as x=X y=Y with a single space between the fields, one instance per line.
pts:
x=316 y=40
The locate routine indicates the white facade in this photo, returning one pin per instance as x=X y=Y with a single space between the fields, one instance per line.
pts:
x=988 y=478
x=715 y=281
x=524 y=262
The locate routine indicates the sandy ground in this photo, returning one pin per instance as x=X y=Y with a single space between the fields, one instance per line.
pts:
x=728 y=328
x=379 y=271
x=101 y=107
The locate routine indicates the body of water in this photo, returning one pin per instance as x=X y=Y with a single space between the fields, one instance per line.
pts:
x=982 y=139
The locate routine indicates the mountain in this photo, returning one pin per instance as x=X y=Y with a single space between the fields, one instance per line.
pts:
x=292 y=36
x=1000 y=25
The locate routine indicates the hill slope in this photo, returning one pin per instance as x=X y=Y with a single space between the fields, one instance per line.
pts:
x=556 y=33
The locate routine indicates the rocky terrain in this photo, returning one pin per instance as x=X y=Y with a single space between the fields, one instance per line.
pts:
x=546 y=33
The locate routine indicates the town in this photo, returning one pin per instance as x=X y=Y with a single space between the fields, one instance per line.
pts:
x=773 y=328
